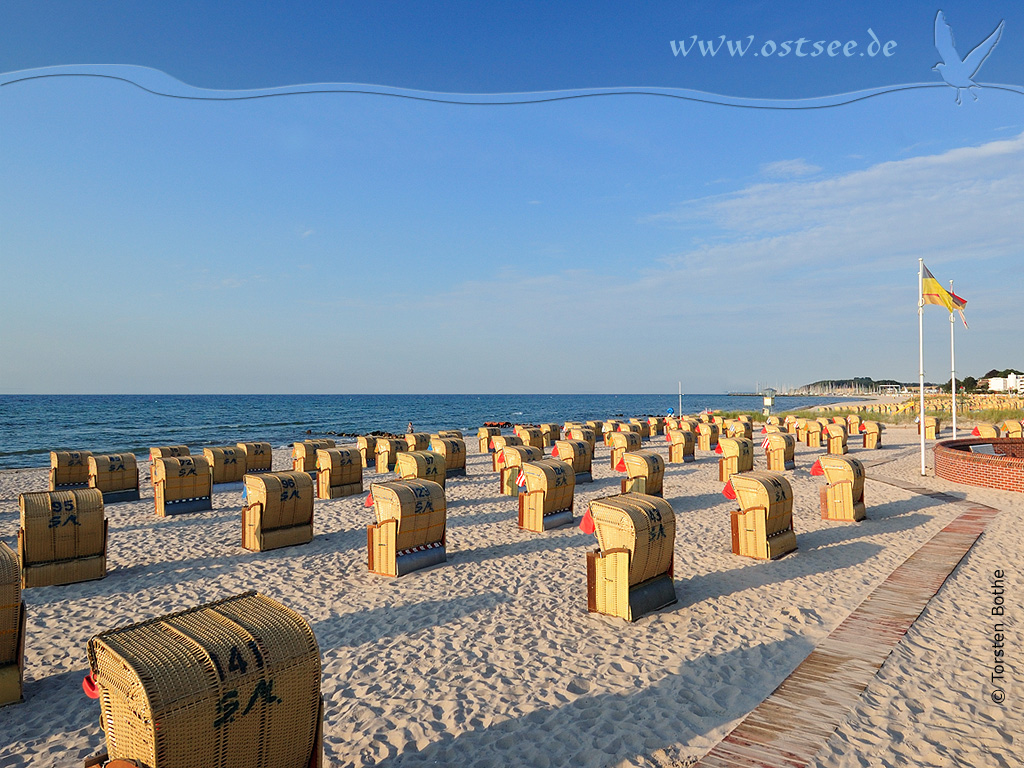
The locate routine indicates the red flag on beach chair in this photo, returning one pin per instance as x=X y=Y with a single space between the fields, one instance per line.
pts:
x=668 y=438
x=764 y=430
x=587 y=523
x=729 y=492
x=976 y=432
x=718 y=449
x=621 y=466
x=863 y=427
x=816 y=468
x=554 y=452
x=369 y=500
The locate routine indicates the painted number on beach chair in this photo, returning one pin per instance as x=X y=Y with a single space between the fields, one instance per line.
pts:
x=63 y=514
x=229 y=704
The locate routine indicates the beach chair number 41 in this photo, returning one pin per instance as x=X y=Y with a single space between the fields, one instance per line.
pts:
x=229 y=704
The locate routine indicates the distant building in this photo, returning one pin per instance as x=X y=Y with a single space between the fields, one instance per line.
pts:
x=1012 y=383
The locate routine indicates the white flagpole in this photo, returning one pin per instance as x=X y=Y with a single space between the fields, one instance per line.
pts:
x=920 y=352
x=952 y=362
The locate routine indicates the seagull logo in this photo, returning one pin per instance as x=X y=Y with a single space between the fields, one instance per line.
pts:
x=959 y=73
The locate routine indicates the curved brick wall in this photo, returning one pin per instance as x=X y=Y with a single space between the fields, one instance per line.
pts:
x=1004 y=471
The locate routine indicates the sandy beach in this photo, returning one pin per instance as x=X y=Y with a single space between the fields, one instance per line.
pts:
x=492 y=660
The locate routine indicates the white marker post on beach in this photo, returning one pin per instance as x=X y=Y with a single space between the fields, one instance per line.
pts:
x=920 y=353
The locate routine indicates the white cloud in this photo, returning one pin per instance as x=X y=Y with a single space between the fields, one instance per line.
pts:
x=789 y=169
x=964 y=203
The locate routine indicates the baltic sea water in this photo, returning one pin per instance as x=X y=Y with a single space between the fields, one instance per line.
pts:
x=33 y=425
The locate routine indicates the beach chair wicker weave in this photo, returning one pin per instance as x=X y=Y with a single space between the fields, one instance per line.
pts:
x=497 y=443
x=531 y=436
x=763 y=526
x=509 y=460
x=453 y=450
x=182 y=484
x=681 y=445
x=63 y=537
x=707 y=436
x=233 y=684
x=780 y=451
x=388 y=449
x=278 y=510
x=259 y=457
x=579 y=453
x=116 y=476
x=812 y=433
x=12 y=628
x=10 y=604
x=304 y=454
x=630 y=574
x=645 y=472
x=547 y=502
x=622 y=443
x=872 y=432
x=410 y=530
x=417 y=441
x=227 y=463
x=549 y=433
x=836 y=443
x=843 y=497
x=367 y=445
x=69 y=469
x=421 y=465
x=484 y=435
x=584 y=433
x=339 y=472
x=737 y=456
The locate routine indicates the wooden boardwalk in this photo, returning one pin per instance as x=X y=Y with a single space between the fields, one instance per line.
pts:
x=789 y=727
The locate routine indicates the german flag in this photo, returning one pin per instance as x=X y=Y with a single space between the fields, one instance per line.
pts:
x=933 y=293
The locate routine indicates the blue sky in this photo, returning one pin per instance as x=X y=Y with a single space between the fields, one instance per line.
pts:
x=341 y=242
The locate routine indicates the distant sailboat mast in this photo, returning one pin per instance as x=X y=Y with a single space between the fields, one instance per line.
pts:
x=680 y=411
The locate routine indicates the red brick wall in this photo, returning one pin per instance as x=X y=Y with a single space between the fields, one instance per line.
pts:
x=1005 y=472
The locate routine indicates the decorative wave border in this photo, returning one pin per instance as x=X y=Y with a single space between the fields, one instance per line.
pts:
x=159 y=83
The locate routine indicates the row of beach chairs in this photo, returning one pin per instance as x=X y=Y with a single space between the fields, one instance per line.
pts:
x=269 y=650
